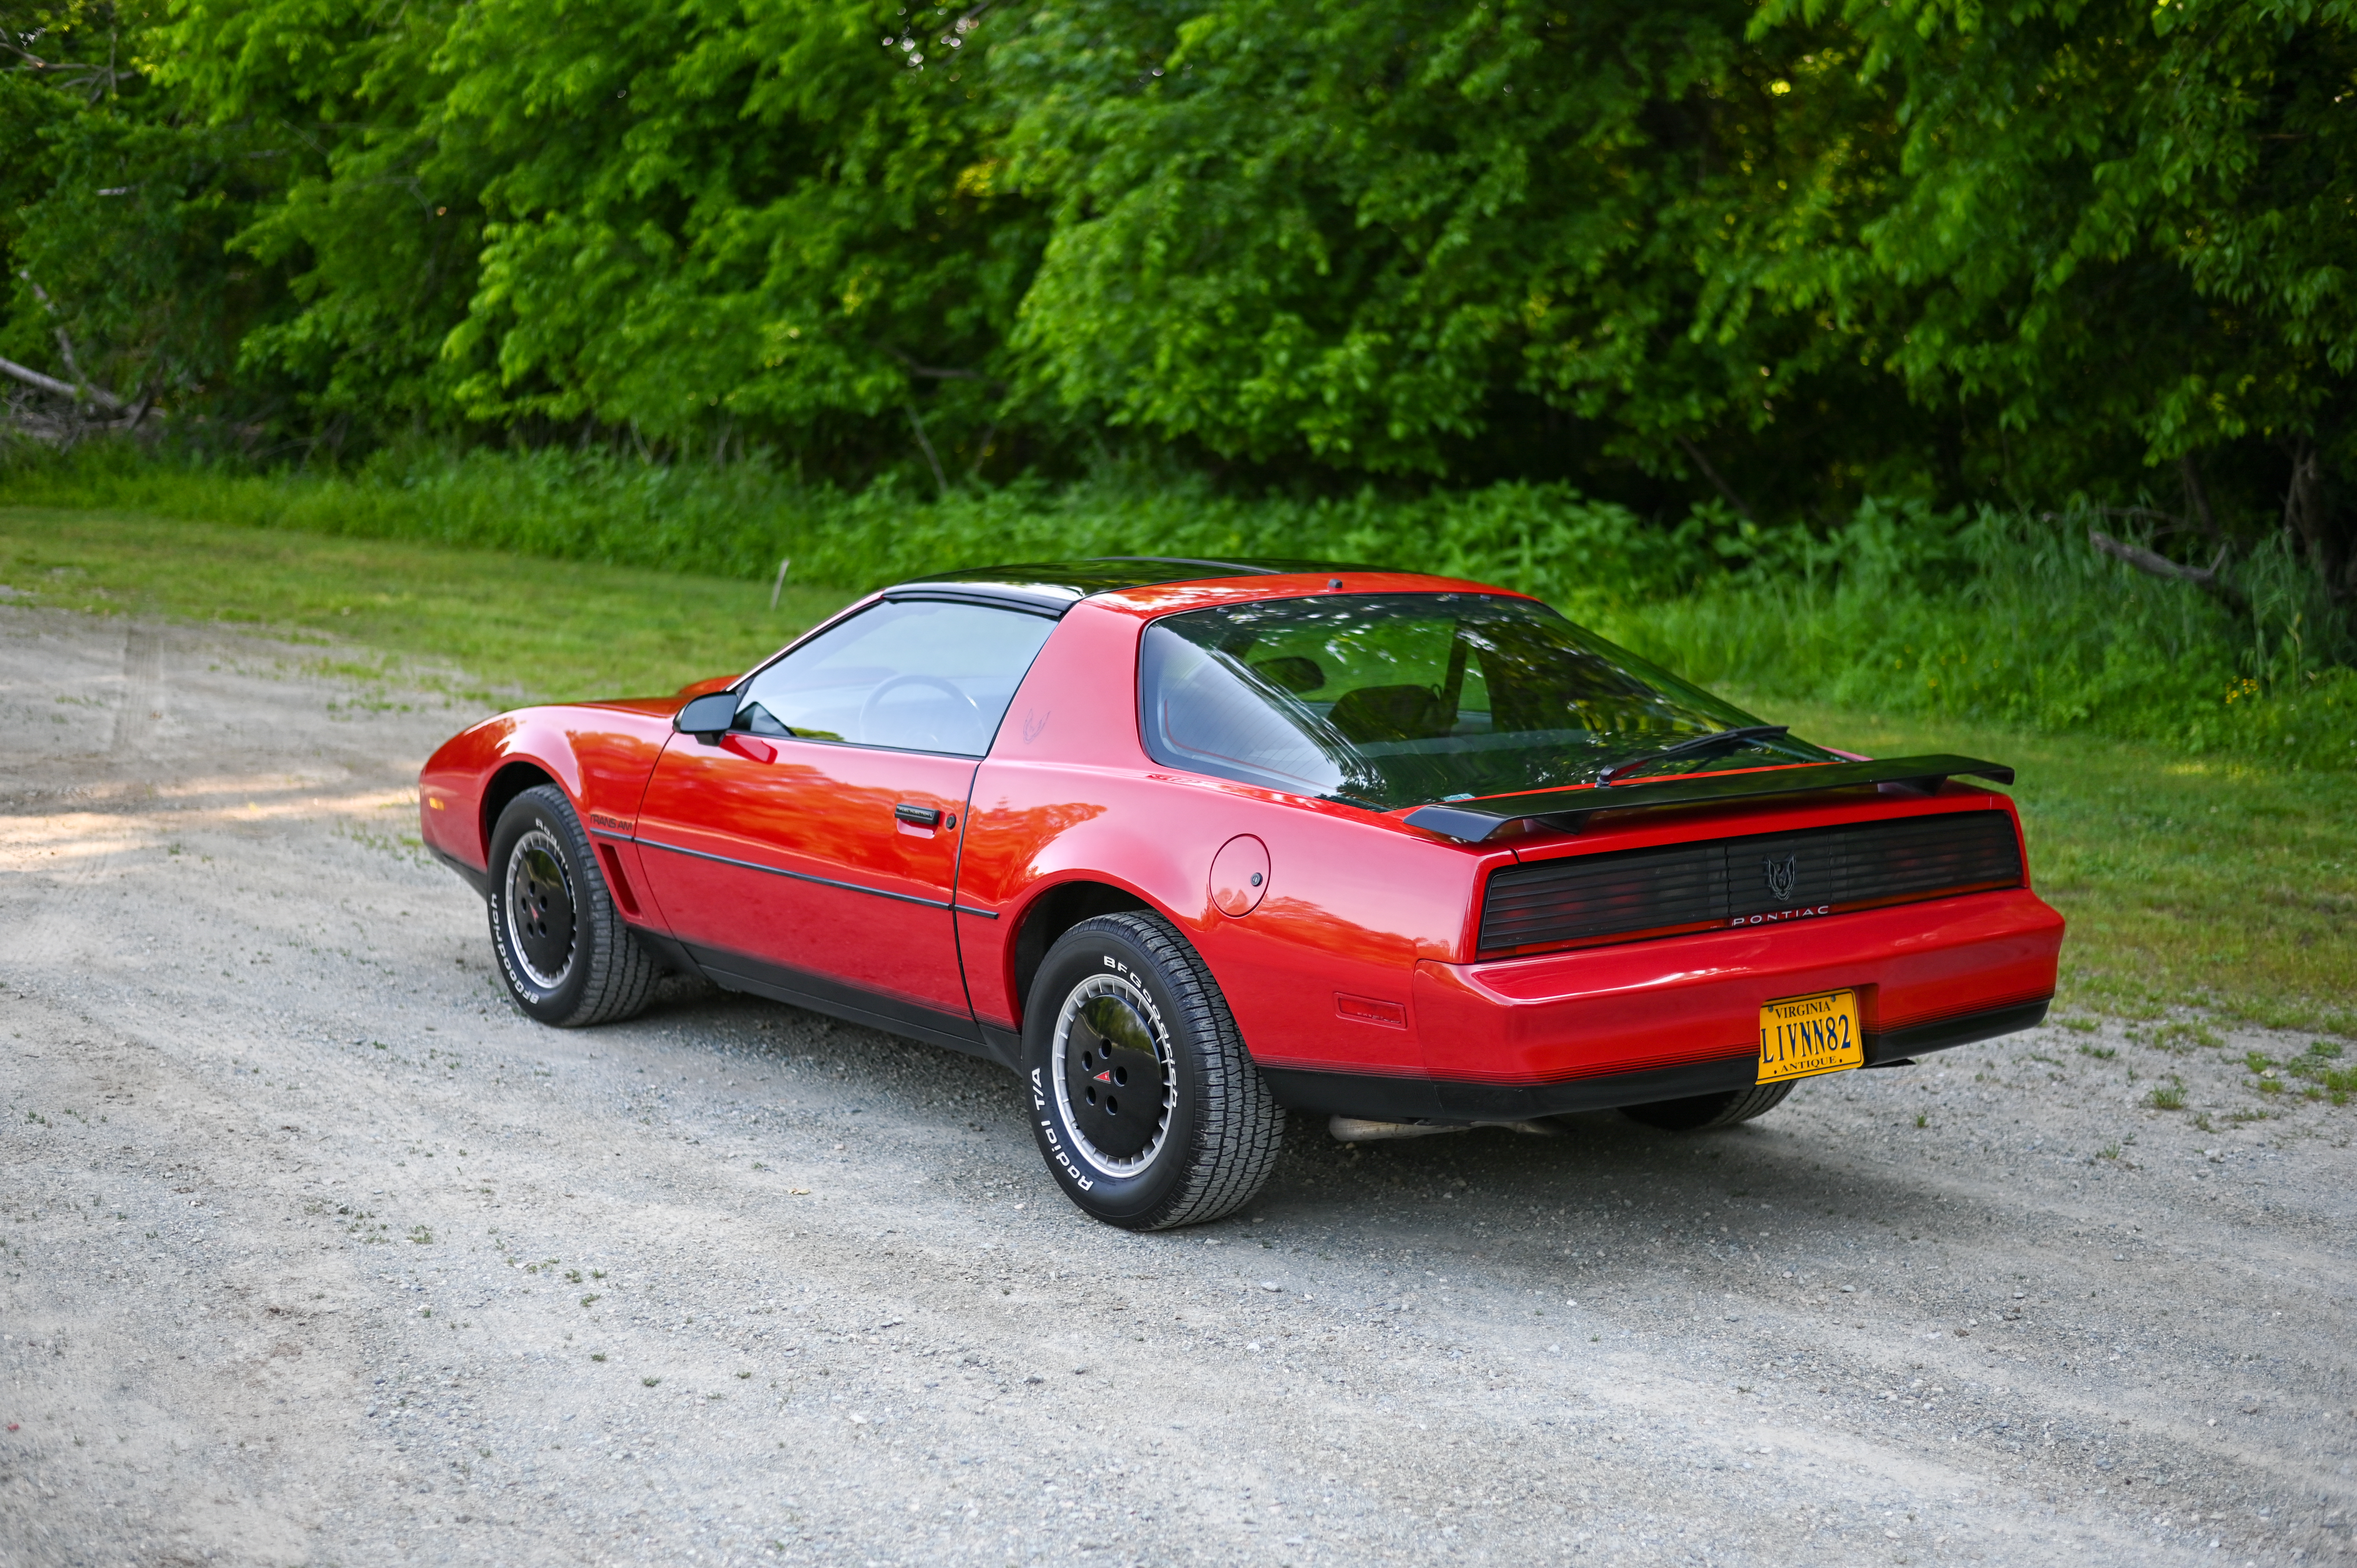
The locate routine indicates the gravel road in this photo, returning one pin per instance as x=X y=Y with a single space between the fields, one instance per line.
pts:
x=318 y=1252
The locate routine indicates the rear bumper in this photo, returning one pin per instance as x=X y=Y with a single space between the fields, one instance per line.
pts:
x=1445 y=1100
x=1649 y=1021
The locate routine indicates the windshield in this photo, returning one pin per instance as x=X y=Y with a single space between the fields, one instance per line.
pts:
x=1394 y=700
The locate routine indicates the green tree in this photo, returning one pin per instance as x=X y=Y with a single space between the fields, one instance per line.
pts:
x=2121 y=232
x=116 y=213
x=777 y=219
x=1364 y=230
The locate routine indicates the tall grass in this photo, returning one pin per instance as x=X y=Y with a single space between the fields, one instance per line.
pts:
x=1993 y=616
x=2005 y=617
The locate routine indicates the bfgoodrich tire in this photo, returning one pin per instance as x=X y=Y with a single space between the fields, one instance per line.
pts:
x=566 y=956
x=1707 y=1111
x=1145 y=1102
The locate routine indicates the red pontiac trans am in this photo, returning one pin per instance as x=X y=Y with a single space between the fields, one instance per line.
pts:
x=1186 y=843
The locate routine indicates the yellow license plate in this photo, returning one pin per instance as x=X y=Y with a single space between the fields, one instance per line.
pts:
x=1803 y=1036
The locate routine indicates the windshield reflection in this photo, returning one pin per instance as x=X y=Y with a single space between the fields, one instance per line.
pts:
x=1394 y=700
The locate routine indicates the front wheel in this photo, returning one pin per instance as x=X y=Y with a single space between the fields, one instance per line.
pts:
x=563 y=950
x=1143 y=1100
x=1702 y=1111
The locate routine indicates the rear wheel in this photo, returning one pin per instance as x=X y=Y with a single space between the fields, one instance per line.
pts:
x=563 y=950
x=1143 y=1100
x=1702 y=1111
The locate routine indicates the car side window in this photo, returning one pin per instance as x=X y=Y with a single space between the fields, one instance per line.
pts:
x=914 y=674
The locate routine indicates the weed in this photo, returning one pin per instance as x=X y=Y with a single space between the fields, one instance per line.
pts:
x=2180 y=1035
x=2103 y=1052
x=2170 y=1096
x=588 y=1299
x=2202 y=1121
x=2081 y=1025
x=650 y=1382
x=1922 y=1119
x=744 y=1374
x=2326 y=1050
x=2256 y=1062
x=573 y=1276
x=420 y=1235
x=596 y=1355
x=2108 y=1151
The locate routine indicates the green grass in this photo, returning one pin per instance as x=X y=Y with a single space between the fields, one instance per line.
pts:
x=2220 y=881
x=516 y=625
x=1989 y=618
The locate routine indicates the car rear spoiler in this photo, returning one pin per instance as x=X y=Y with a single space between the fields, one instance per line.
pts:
x=1474 y=821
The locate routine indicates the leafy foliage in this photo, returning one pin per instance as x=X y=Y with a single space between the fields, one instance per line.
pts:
x=1890 y=614
x=1772 y=261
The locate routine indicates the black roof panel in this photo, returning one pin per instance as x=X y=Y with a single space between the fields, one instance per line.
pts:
x=1064 y=583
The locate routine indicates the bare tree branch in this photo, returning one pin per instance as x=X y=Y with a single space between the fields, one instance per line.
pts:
x=940 y=373
x=2197 y=498
x=33 y=377
x=917 y=423
x=1726 y=490
x=84 y=387
x=982 y=450
x=2205 y=578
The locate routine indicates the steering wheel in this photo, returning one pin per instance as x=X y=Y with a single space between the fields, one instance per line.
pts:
x=870 y=710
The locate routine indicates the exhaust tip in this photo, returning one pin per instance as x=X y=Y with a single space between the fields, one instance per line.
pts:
x=1355 y=1130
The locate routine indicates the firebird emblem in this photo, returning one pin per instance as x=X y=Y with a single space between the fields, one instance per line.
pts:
x=1784 y=875
x=1104 y=1077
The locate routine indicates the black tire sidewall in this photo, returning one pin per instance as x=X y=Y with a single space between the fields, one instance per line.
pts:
x=534 y=808
x=1131 y=1200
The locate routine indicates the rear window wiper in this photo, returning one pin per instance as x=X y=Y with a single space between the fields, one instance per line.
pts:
x=1700 y=745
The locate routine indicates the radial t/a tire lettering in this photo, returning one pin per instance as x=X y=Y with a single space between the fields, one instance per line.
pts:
x=1703 y=1111
x=563 y=950
x=1143 y=1100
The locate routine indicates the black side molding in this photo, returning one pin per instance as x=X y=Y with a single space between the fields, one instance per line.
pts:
x=817 y=993
x=667 y=952
x=481 y=881
x=1474 y=821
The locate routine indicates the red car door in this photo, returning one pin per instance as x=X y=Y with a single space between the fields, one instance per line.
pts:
x=811 y=854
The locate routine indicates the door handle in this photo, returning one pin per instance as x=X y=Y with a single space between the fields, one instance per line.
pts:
x=918 y=816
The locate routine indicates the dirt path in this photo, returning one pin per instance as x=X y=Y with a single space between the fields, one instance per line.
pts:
x=317 y=1252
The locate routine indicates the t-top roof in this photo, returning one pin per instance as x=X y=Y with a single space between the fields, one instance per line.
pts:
x=1060 y=583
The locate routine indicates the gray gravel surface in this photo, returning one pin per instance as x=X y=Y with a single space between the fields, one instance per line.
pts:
x=318 y=1252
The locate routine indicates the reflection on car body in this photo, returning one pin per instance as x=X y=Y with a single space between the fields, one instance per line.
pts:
x=1188 y=844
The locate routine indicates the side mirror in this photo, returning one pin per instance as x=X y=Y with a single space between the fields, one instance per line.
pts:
x=706 y=716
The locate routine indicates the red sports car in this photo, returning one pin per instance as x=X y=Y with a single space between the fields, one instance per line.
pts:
x=1188 y=842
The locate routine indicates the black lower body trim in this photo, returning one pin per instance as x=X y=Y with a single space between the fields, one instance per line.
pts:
x=1004 y=1048
x=735 y=972
x=481 y=881
x=1453 y=1099
x=667 y=951
x=1963 y=1029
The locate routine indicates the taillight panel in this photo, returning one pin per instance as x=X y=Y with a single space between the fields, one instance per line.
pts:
x=1624 y=894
